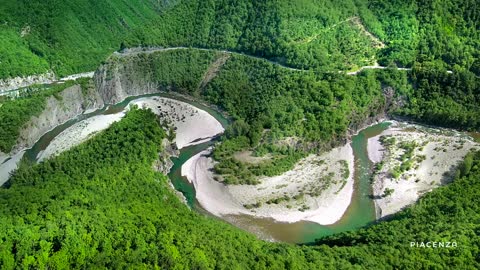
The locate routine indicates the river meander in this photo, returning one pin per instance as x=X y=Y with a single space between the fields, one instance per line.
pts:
x=360 y=212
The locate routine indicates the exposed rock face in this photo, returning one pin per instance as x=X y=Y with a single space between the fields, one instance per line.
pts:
x=114 y=81
x=378 y=112
x=120 y=79
x=19 y=82
x=163 y=164
x=68 y=104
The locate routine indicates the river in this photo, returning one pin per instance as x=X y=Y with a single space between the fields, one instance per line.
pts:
x=360 y=212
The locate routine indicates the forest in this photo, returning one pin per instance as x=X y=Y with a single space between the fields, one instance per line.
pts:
x=444 y=99
x=64 y=36
x=445 y=32
x=269 y=105
x=101 y=205
x=322 y=35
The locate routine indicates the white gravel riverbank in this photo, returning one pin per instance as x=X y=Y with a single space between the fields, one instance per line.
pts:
x=319 y=189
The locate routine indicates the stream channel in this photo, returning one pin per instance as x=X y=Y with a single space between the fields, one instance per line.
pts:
x=360 y=212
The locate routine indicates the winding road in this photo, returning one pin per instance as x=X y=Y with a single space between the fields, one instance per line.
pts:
x=6 y=89
x=139 y=50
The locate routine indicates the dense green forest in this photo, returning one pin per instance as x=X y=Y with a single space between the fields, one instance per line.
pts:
x=100 y=205
x=65 y=36
x=323 y=35
x=446 y=32
x=273 y=106
x=304 y=34
x=444 y=99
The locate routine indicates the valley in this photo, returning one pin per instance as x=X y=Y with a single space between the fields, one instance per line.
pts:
x=327 y=192
x=186 y=134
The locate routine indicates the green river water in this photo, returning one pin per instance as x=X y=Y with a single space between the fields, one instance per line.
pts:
x=361 y=211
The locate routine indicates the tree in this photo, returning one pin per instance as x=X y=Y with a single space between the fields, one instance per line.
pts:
x=387 y=192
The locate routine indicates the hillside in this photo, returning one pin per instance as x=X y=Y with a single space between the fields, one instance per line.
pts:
x=324 y=35
x=97 y=206
x=66 y=36
x=445 y=32
x=270 y=103
x=286 y=76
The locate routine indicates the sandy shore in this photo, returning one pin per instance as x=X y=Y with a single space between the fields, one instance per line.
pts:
x=212 y=195
x=78 y=133
x=319 y=189
x=436 y=154
x=69 y=138
x=192 y=125
x=9 y=166
x=375 y=149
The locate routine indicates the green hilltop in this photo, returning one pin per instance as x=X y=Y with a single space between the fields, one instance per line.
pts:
x=74 y=36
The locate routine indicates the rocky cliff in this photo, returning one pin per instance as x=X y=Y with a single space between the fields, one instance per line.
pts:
x=163 y=164
x=114 y=81
x=68 y=104
x=121 y=77
x=19 y=82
